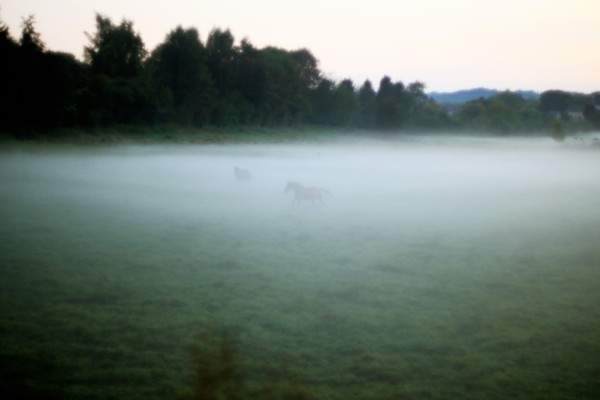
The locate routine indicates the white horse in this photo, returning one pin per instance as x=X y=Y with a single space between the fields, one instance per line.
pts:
x=302 y=193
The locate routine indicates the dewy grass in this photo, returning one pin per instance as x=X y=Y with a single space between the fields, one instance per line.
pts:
x=117 y=284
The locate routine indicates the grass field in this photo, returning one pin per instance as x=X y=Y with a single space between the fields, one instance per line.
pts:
x=435 y=270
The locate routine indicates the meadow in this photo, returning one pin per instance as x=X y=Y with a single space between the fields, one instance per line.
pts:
x=437 y=268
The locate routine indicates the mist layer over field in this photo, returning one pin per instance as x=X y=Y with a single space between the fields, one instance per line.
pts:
x=431 y=268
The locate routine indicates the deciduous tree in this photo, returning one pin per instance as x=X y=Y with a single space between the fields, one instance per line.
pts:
x=116 y=90
x=181 y=79
x=115 y=50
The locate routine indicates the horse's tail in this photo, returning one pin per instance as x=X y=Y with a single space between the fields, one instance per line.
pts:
x=325 y=191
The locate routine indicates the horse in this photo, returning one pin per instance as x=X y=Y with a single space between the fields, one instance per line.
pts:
x=302 y=192
x=242 y=175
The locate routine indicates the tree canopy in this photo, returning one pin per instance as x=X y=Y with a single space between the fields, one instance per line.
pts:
x=188 y=82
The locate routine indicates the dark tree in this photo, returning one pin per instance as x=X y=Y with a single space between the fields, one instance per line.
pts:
x=115 y=50
x=253 y=85
x=472 y=114
x=31 y=102
x=415 y=96
x=223 y=64
x=501 y=117
x=555 y=100
x=391 y=102
x=322 y=100
x=416 y=102
x=424 y=112
x=286 y=90
x=222 y=57
x=530 y=117
x=504 y=113
x=367 y=105
x=306 y=67
x=9 y=69
x=511 y=99
x=187 y=83
x=592 y=115
x=345 y=104
x=37 y=86
x=181 y=78
x=31 y=40
x=116 y=90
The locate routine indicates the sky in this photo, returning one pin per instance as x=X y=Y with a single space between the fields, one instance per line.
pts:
x=447 y=44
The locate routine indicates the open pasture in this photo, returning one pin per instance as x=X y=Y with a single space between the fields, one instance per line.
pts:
x=439 y=268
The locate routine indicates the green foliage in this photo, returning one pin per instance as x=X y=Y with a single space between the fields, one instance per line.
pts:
x=181 y=78
x=285 y=87
x=38 y=87
x=115 y=89
x=306 y=69
x=345 y=103
x=501 y=116
x=223 y=83
x=431 y=116
x=423 y=112
x=504 y=113
x=391 y=104
x=222 y=59
x=115 y=50
x=592 y=114
x=253 y=85
x=558 y=131
x=555 y=100
x=367 y=102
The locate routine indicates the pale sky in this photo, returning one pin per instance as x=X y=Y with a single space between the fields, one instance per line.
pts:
x=447 y=44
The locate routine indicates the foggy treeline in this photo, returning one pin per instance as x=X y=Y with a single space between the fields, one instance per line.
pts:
x=190 y=83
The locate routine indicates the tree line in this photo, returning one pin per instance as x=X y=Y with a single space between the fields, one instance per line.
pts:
x=187 y=82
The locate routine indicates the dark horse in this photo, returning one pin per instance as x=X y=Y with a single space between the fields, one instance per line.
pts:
x=302 y=193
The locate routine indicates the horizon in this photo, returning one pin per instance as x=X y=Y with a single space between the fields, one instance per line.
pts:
x=498 y=45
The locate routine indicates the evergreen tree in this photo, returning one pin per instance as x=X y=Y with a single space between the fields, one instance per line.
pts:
x=345 y=104
x=391 y=101
x=367 y=105
x=322 y=100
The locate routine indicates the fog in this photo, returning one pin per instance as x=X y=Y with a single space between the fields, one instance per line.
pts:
x=440 y=250
x=446 y=190
x=448 y=186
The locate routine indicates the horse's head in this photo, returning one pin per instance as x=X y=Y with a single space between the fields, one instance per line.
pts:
x=292 y=186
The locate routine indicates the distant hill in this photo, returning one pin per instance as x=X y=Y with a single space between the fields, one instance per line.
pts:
x=462 y=96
